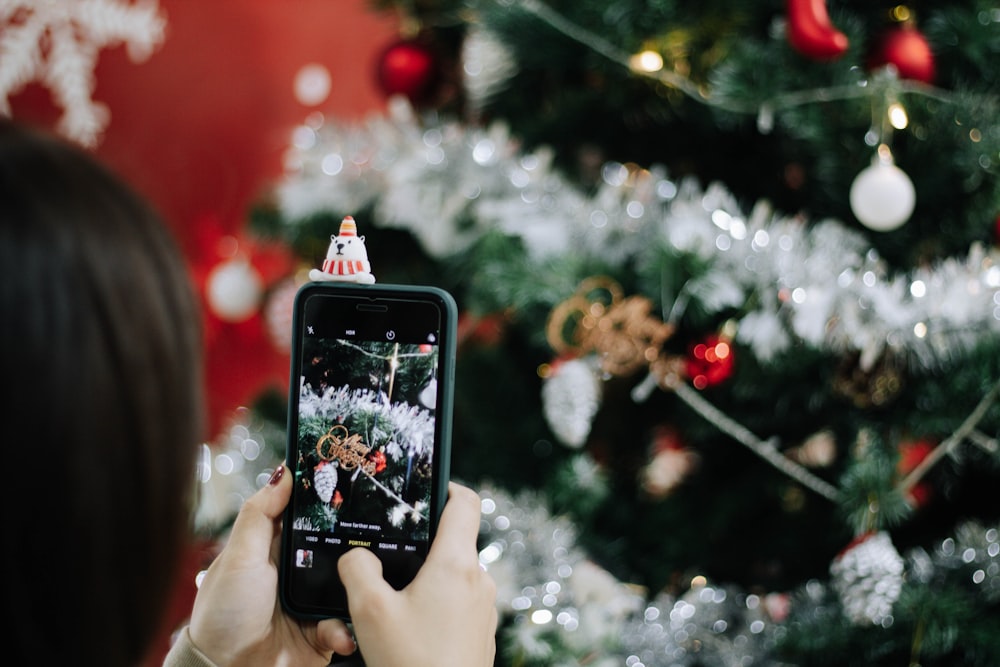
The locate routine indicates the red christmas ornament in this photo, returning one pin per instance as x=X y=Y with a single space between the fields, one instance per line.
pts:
x=487 y=330
x=378 y=458
x=810 y=31
x=407 y=68
x=709 y=362
x=905 y=48
x=911 y=453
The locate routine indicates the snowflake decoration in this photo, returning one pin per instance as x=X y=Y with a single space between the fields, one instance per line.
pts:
x=56 y=42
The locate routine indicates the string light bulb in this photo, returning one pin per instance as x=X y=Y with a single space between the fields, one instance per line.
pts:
x=898 y=117
x=646 y=61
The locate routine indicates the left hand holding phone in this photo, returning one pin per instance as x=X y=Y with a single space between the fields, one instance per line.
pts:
x=236 y=619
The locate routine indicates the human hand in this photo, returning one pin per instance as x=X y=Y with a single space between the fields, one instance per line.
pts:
x=445 y=617
x=236 y=619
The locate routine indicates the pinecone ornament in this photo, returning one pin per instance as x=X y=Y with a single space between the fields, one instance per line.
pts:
x=325 y=480
x=868 y=577
x=571 y=397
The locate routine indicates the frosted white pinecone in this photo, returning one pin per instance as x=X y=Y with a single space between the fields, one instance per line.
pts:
x=868 y=577
x=570 y=399
x=325 y=480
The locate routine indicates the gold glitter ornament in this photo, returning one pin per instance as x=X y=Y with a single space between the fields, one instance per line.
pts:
x=338 y=444
x=598 y=319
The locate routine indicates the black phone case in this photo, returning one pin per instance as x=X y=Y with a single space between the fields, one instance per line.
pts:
x=441 y=457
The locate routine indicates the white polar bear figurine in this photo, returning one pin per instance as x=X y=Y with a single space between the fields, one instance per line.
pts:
x=346 y=257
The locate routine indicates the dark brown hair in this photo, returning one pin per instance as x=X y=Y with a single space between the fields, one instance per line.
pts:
x=100 y=412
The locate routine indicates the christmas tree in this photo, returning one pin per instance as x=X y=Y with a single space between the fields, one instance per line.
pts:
x=729 y=281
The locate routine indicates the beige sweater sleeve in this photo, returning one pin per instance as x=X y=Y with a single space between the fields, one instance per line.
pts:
x=183 y=653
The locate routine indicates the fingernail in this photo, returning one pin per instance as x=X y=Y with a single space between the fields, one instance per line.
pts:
x=276 y=475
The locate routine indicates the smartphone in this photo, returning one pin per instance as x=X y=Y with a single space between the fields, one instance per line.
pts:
x=369 y=434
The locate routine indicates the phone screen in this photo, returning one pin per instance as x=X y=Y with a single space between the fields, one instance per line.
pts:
x=369 y=429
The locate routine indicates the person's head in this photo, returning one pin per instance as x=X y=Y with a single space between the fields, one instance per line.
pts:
x=100 y=397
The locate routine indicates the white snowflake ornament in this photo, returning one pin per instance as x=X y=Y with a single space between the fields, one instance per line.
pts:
x=55 y=42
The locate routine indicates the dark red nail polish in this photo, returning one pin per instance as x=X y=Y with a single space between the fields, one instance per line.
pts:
x=276 y=475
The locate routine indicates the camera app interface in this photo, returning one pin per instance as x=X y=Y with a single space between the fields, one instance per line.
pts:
x=364 y=439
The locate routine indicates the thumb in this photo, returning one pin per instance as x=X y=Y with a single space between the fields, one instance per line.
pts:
x=254 y=528
x=361 y=573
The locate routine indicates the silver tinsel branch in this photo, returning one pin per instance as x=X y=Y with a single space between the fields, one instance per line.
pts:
x=409 y=429
x=816 y=283
x=563 y=609
x=560 y=608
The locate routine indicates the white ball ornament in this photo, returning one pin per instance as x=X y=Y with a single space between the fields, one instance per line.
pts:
x=312 y=84
x=234 y=289
x=882 y=196
x=428 y=395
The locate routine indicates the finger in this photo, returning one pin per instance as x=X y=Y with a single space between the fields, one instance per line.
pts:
x=361 y=573
x=254 y=528
x=273 y=498
x=459 y=527
x=333 y=635
x=359 y=566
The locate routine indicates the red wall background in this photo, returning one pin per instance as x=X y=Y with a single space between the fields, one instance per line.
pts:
x=200 y=128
